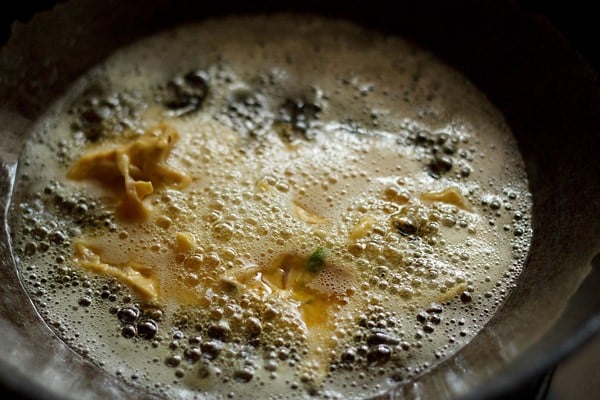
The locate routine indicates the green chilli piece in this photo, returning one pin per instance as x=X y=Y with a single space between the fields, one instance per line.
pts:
x=316 y=261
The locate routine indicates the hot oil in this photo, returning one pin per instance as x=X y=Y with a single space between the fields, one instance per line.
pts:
x=356 y=212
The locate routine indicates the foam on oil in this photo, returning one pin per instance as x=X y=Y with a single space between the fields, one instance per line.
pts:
x=308 y=142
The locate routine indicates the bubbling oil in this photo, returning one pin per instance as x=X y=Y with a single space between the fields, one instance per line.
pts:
x=354 y=212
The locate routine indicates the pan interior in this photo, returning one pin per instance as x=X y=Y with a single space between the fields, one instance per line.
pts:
x=555 y=136
x=173 y=222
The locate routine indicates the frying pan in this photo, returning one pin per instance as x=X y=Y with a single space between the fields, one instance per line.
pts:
x=547 y=95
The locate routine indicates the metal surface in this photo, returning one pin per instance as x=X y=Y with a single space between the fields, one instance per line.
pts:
x=548 y=96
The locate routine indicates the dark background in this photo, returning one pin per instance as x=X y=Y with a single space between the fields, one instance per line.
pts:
x=576 y=19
